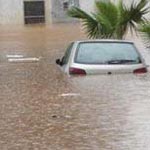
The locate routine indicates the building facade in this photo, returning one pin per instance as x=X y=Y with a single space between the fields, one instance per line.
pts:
x=35 y=11
x=41 y=11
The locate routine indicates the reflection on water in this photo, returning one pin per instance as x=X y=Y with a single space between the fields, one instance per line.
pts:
x=41 y=108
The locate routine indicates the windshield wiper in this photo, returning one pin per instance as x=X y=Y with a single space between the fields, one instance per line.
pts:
x=121 y=61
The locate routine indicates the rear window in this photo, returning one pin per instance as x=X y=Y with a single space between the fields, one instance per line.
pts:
x=105 y=52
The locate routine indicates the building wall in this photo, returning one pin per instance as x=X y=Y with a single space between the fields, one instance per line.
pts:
x=87 y=5
x=48 y=8
x=59 y=12
x=11 y=12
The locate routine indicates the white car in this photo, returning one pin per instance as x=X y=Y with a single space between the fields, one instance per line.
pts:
x=102 y=57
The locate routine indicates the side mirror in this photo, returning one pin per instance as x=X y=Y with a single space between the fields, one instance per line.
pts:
x=58 y=62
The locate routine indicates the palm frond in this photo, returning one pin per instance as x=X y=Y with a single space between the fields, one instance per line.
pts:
x=108 y=20
x=132 y=15
x=89 y=22
x=111 y=20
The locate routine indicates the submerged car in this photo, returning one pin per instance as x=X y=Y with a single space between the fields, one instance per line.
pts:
x=102 y=57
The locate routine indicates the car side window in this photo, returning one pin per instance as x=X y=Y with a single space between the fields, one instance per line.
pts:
x=67 y=54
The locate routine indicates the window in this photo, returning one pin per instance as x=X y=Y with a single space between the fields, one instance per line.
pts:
x=34 y=12
x=65 y=5
x=69 y=3
x=102 y=53
x=65 y=59
x=74 y=3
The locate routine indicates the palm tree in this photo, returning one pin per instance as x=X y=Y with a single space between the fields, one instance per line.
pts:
x=111 y=20
x=145 y=32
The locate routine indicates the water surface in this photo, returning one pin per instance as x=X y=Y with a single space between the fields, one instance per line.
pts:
x=43 y=109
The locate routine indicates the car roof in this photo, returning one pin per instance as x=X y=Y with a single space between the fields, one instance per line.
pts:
x=104 y=40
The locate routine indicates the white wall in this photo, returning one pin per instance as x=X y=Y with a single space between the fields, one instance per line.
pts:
x=48 y=14
x=11 y=12
x=87 y=5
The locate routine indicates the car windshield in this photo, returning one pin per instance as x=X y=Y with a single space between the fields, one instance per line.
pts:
x=107 y=53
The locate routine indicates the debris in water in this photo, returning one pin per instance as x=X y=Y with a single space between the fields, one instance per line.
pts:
x=14 y=56
x=30 y=59
x=69 y=94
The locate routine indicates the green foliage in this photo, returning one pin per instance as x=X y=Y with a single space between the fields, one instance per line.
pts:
x=145 y=32
x=111 y=20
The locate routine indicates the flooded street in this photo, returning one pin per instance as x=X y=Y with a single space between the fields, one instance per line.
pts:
x=43 y=109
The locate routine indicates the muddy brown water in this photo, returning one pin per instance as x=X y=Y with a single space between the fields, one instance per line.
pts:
x=43 y=109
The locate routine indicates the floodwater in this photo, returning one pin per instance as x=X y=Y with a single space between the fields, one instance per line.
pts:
x=43 y=109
